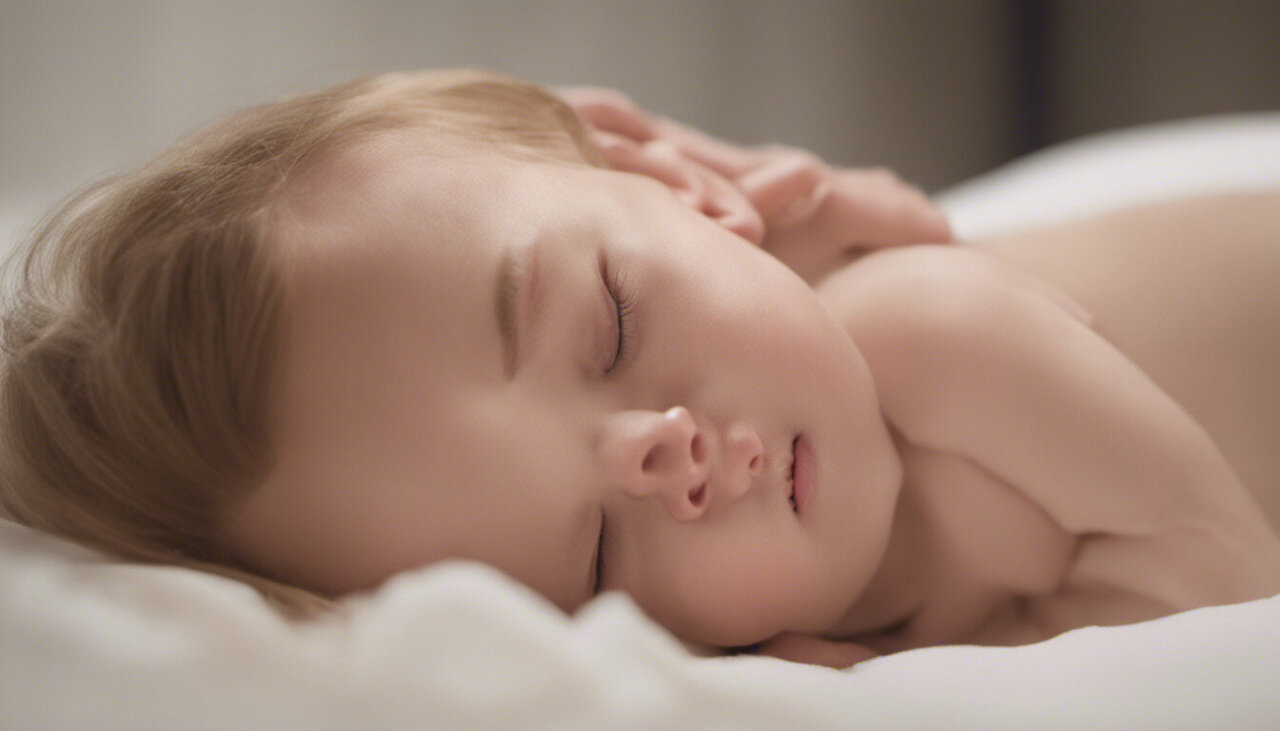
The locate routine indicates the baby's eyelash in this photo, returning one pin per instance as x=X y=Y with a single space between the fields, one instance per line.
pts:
x=598 y=583
x=624 y=307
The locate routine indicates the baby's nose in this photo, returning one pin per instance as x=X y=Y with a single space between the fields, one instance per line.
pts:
x=666 y=454
x=662 y=454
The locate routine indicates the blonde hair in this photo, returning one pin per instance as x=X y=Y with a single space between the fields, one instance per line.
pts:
x=142 y=337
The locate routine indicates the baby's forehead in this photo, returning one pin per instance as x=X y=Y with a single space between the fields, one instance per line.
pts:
x=351 y=192
x=352 y=203
x=333 y=174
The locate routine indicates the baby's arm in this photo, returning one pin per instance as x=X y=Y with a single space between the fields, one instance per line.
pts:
x=970 y=362
x=815 y=218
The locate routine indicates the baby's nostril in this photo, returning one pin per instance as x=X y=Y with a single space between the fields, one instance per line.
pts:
x=697 y=449
x=698 y=494
x=754 y=465
x=650 y=460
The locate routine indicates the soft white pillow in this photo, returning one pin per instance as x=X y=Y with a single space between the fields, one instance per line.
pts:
x=1118 y=169
x=89 y=642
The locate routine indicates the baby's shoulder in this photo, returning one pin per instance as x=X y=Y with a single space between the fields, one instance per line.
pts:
x=925 y=314
x=917 y=288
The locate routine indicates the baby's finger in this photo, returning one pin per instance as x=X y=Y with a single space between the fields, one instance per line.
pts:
x=725 y=158
x=878 y=209
x=726 y=204
x=655 y=160
x=610 y=111
x=786 y=188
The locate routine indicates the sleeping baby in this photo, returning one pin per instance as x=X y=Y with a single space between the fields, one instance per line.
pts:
x=433 y=315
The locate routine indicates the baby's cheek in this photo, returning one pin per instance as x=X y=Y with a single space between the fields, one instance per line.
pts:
x=727 y=603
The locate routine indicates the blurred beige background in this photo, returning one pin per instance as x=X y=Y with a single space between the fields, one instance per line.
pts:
x=938 y=90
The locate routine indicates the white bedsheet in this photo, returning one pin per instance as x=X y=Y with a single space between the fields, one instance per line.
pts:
x=89 y=642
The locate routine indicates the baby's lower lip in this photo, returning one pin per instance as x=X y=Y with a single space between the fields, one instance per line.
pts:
x=803 y=472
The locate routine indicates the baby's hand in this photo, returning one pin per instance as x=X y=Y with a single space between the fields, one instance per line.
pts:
x=818 y=217
x=815 y=217
x=815 y=651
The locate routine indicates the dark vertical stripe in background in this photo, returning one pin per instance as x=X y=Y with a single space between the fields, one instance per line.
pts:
x=1031 y=73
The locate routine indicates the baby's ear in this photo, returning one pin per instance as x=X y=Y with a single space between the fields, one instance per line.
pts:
x=696 y=185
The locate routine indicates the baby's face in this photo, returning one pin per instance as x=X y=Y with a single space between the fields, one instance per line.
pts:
x=570 y=375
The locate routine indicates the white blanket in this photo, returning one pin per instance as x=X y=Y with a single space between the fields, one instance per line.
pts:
x=90 y=642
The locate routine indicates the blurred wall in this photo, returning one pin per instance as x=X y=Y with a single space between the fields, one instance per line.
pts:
x=939 y=90
x=1133 y=61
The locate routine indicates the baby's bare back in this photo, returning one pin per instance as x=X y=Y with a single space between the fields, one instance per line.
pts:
x=1190 y=291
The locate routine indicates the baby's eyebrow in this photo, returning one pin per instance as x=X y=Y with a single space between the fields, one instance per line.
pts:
x=516 y=301
x=507 y=288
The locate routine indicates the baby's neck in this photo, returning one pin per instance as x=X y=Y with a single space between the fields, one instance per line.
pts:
x=898 y=587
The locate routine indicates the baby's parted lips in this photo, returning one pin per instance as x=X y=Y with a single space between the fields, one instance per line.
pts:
x=791 y=476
